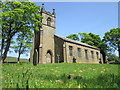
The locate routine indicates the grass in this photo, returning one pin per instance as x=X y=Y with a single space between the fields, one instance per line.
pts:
x=14 y=59
x=25 y=75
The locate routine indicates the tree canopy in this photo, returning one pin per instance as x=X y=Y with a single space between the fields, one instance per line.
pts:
x=23 y=43
x=18 y=17
x=73 y=37
x=90 y=39
x=112 y=39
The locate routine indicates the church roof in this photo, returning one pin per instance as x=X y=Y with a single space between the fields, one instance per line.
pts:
x=76 y=42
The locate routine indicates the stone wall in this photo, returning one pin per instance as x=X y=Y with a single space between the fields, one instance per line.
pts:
x=47 y=40
x=82 y=58
x=59 y=57
x=62 y=49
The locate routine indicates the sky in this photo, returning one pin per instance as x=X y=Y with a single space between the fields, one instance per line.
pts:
x=75 y=17
x=79 y=17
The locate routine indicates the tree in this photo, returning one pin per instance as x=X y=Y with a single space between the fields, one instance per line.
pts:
x=103 y=49
x=112 y=38
x=90 y=39
x=15 y=17
x=73 y=37
x=23 y=43
x=113 y=59
x=95 y=40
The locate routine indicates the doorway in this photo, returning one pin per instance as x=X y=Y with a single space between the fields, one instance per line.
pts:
x=49 y=56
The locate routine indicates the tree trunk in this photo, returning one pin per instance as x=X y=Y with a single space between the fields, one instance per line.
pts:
x=19 y=52
x=2 y=45
x=119 y=52
x=18 y=57
x=119 y=49
x=6 y=50
x=104 y=56
x=8 y=43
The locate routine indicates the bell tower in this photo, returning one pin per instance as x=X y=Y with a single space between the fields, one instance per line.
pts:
x=43 y=51
x=47 y=32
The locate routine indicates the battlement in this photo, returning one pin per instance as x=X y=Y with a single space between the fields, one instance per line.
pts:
x=53 y=14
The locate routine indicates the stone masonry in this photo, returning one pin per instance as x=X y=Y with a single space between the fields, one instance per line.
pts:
x=51 y=48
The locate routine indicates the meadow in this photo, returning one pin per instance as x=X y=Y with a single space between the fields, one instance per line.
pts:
x=14 y=59
x=25 y=75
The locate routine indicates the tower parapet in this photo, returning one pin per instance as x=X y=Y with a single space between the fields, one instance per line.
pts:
x=54 y=12
x=43 y=9
x=47 y=12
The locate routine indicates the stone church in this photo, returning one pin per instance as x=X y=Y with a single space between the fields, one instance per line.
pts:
x=51 y=48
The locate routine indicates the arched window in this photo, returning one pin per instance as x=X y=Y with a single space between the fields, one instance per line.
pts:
x=49 y=21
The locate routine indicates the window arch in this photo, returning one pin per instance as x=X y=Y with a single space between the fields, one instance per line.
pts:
x=49 y=21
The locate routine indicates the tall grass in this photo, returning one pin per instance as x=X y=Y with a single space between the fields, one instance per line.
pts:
x=25 y=75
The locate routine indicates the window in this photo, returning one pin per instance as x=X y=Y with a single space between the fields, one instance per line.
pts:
x=86 y=54
x=70 y=50
x=97 y=55
x=92 y=55
x=49 y=22
x=79 y=52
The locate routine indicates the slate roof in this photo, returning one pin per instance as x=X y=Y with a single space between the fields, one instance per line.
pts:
x=76 y=42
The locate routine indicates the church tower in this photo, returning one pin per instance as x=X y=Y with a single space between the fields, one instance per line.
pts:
x=46 y=37
x=43 y=51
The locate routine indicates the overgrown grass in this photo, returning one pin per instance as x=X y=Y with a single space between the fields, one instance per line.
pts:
x=25 y=75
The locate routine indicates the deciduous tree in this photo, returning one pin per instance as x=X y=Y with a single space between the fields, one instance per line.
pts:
x=90 y=39
x=23 y=43
x=15 y=17
x=73 y=37
x=112 y=38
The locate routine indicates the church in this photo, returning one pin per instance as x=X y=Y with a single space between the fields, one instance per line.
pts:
x=51 y=48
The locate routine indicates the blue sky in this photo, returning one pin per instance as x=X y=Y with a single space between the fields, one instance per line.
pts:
x=75 y=17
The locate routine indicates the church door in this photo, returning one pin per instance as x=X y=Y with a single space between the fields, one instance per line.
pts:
x=49 y=57
x=74 y=60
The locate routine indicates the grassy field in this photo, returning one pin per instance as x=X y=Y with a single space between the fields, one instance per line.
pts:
x=25 y=75
x=14 y=59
